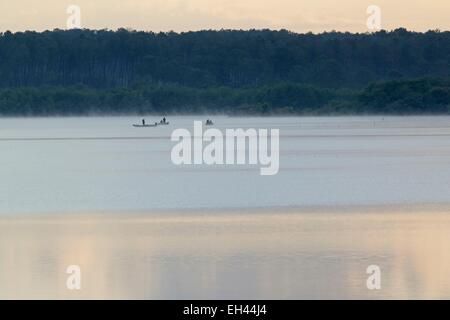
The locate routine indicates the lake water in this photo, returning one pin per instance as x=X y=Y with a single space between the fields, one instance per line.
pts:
x=104 y=164
x=351 y=192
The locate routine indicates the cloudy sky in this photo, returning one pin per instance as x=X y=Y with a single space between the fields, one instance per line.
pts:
x=184 y=15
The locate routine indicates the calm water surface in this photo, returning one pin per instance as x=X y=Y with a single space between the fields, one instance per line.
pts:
x=351 y=192
x=104 y=164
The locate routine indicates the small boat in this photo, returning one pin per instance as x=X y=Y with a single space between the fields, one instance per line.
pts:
x=163 y=123
x=209 y=123
x=145 y=125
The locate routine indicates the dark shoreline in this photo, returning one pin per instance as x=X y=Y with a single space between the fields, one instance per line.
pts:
x=400 y=97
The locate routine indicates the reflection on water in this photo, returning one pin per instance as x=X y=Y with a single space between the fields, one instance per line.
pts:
x=235 y=255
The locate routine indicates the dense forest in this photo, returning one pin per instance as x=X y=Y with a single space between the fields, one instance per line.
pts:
x=250 y=72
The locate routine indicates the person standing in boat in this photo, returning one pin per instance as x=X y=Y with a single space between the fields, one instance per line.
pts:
x=143 y=122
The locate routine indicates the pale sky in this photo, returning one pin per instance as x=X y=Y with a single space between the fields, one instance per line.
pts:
x=184 y=15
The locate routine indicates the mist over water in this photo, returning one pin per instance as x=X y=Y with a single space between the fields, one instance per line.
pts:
x=62 y=165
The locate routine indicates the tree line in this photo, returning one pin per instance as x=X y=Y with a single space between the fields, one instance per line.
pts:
x=402 y=97
x=227 y=71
